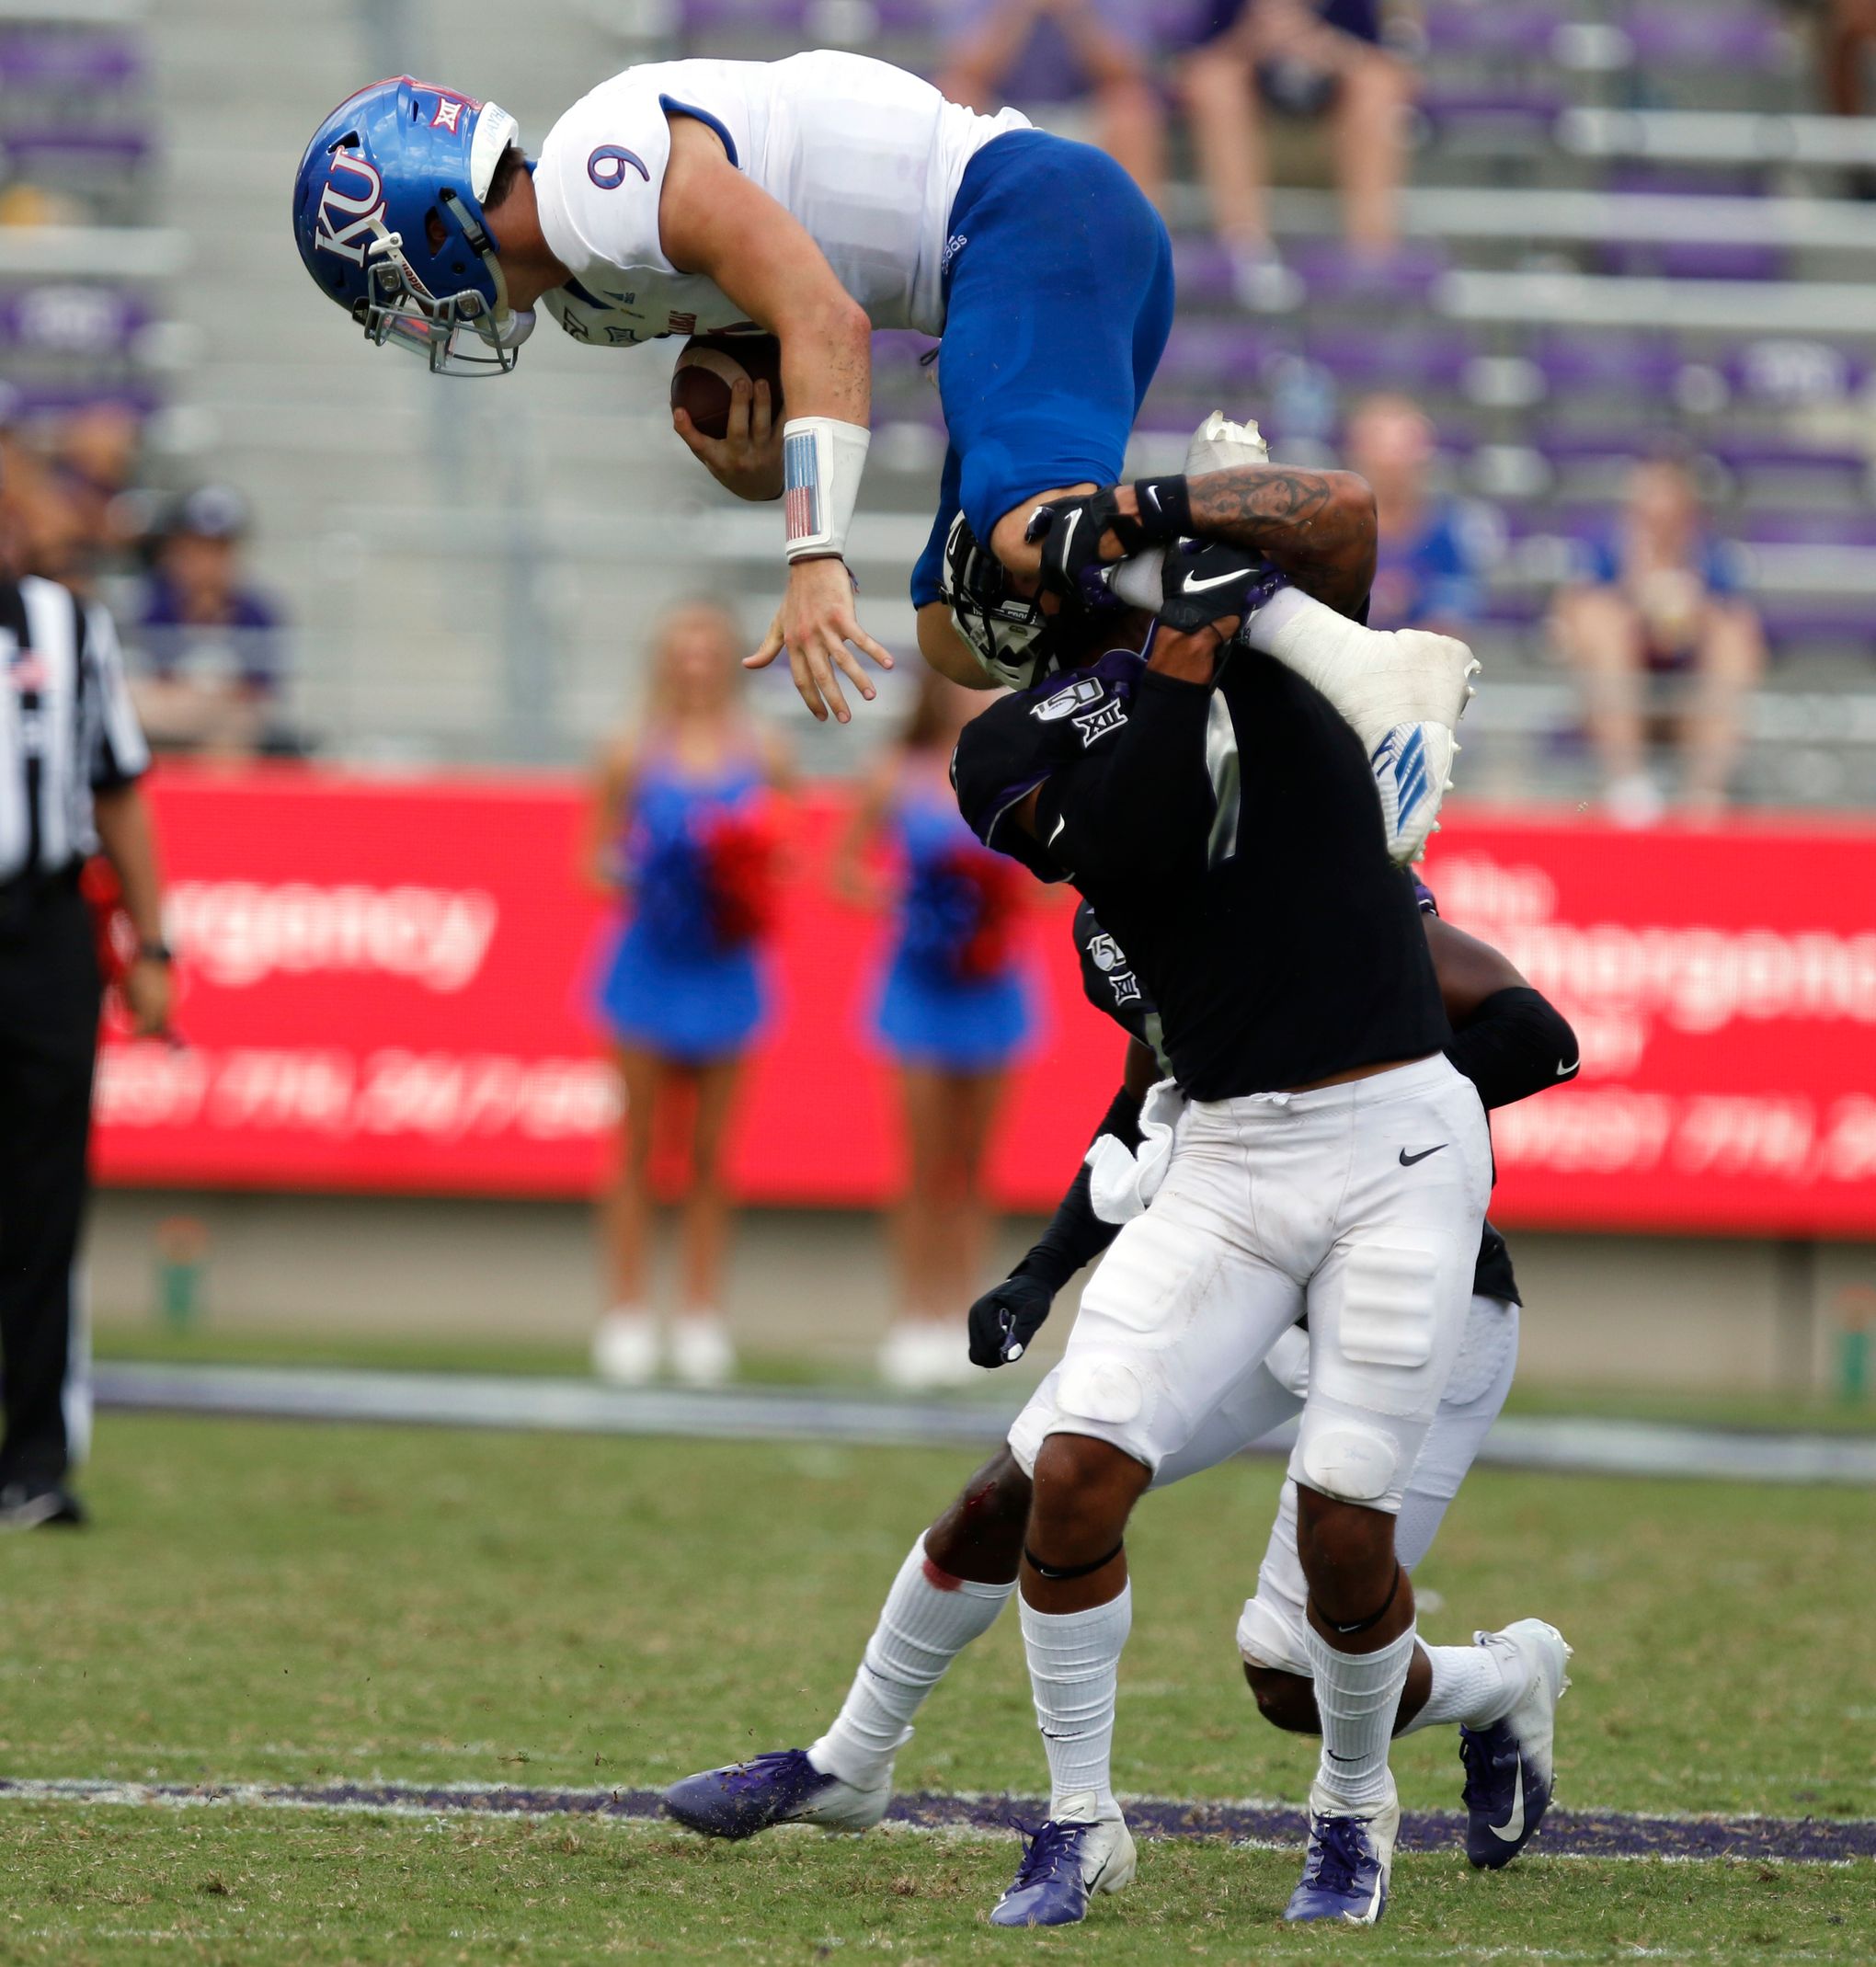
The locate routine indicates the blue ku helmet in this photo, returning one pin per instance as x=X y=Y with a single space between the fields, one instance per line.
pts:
x=387 y=216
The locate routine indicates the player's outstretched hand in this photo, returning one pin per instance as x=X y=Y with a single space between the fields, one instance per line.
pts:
x=747 y=459
x=815 y=624
x=1005 y=1320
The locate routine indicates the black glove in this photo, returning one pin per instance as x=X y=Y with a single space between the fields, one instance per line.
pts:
x=1071 y=531
x=1070 y=535
x=1005 y=1320
x=1203 y=583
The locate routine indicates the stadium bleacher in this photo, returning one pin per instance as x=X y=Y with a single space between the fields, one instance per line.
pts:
x=1626 y=225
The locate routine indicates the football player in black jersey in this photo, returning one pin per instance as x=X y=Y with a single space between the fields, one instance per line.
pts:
x=1301 y=1015
x=1331 y=1162
x=961 y=1571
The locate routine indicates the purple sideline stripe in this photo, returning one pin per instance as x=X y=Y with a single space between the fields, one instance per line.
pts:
x=1566 y=1833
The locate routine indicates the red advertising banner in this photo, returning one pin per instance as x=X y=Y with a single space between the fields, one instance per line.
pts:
x=387 y=989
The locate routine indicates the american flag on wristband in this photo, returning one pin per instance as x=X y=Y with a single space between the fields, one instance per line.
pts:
x=801 y=486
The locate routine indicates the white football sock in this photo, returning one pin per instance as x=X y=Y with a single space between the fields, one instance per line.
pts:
x=1469 y=1686
x=1074 y=1671
x=923 y=1626
x=1356 y=1696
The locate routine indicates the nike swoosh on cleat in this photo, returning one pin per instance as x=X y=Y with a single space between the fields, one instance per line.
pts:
x=1511 y=1829
x=1564 y=1072
x=1409 y=1160
x=1060 y=824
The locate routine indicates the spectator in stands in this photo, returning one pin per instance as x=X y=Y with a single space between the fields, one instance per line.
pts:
x=1657 y=598
x=1308 y=57
x=209 y=672
x=953 y=1015
x=1034 y=52
x=1846 y=36
x=681 y=833
x=1433 y=552
x=95 y=460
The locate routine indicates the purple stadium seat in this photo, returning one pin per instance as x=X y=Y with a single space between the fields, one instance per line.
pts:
x=1332 y=272
x=1222 y=352
x=1587 y=364
x=1449 y=105
x=39 y=62
x=1483 y=32
x=1791 y=625
x=1773 y=450
x=30 y=152
x=1793 y=368
x=1857 y=529
x=1677 y=36
x=33 y=401
x=1693 y=259
x=1409 y=358
x=70 y=320
x=1737 y=450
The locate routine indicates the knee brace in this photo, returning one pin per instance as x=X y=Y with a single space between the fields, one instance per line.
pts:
x=1348 y=1456
x=1270 y=1635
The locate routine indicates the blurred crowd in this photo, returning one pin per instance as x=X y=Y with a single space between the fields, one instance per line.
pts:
x=206 y=647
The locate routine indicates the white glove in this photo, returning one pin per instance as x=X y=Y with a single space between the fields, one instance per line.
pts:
x=1122 y=1182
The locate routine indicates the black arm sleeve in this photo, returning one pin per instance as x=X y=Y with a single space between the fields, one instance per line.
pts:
x=1139 y=801
x=1076 y=1235
x=1515 y=1044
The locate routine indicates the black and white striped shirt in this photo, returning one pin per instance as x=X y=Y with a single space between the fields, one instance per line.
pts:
x=67 y=727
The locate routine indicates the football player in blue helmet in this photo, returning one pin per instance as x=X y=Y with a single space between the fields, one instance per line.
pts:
x=817 y=198
x=388 y=217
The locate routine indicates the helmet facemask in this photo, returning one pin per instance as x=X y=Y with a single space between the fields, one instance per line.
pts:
x=459 y=333
x=1008 y=633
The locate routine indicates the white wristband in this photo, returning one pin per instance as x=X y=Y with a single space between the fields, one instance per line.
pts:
x=821 y=463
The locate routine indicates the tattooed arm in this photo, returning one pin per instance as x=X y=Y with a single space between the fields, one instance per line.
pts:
x=1316 y=526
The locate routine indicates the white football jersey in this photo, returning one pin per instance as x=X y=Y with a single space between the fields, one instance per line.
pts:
x=866 y=157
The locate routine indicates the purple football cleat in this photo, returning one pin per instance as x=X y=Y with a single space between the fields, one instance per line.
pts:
x=1345 y=1873
x=1062 y=1864
x=784 y=1786
x=1511 y=1765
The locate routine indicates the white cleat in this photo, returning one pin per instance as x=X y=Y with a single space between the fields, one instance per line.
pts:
x=625 y=1348
x=1511 y=1765
x=1218 y=444
x=1108 y=1858
x=702 y=1355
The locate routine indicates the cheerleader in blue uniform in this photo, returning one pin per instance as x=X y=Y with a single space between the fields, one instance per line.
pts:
x=954 y=1013
x=680 y=834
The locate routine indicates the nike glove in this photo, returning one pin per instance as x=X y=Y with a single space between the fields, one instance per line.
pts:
x=1071 y=531
x=1005 y=1320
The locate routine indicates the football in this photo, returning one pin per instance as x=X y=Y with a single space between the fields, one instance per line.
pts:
x=708 y=367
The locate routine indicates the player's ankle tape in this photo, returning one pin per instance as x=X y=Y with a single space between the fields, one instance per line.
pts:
x=1165 y=512
x=1065 y=1573
x=1374 y=1618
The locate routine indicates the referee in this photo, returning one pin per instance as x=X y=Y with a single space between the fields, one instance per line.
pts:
x=71 y=755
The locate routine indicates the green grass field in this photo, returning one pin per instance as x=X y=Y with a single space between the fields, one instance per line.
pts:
x=275 y=1603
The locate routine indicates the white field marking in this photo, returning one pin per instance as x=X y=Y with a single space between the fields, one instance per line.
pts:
x=463 y=1801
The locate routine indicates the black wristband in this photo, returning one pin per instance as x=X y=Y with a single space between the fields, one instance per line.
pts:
x=1165 y=512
